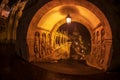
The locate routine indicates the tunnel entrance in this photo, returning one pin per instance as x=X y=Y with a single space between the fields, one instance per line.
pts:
x=40 y=36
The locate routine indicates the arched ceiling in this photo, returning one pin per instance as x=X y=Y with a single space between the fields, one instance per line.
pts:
x=59 y=13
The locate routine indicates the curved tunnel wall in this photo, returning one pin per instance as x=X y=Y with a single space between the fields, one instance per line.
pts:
x=26 y=21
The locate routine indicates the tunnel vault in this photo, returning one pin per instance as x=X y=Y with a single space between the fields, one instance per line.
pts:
x=48 y=18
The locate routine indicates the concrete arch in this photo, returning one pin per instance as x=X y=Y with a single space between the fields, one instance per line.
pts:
x=92 y=18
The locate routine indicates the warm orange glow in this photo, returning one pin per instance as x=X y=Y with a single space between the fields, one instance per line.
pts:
x=54 y=16
x=5 y=13
x=49 y=19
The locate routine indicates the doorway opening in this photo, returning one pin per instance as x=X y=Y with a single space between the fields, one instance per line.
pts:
x=79 y=39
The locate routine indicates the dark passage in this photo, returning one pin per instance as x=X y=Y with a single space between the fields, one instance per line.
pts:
x=13 y=67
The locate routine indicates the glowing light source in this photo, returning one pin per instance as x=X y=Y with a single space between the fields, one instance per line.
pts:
x=68 y=19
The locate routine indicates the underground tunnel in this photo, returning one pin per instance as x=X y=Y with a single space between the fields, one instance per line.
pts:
x=59 y=39
x=43 y=37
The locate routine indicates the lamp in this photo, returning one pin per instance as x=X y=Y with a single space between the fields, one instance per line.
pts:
x=68 y=19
